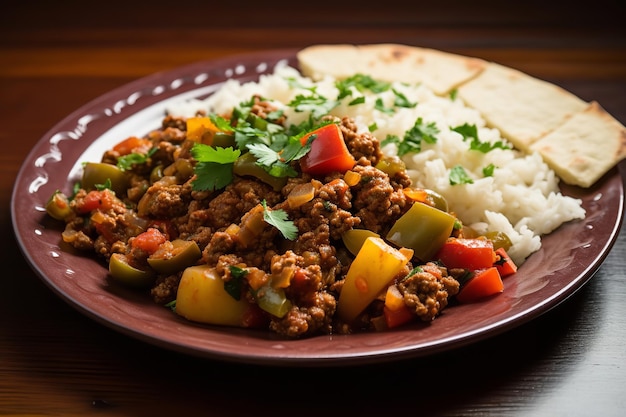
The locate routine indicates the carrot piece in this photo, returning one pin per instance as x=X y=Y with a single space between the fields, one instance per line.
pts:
x=504 y=263
x=484 y=283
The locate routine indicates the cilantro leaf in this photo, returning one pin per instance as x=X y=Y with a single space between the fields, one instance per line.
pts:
x=234 y=284
x=401 y=100
x=488 y=170
x=380 y=106
x=317 y=104
x=278 y=219
x=126 y=162
x=412 y=140
x=362 y=83
x=458 y=176
x=471 y=132
x=214 y=169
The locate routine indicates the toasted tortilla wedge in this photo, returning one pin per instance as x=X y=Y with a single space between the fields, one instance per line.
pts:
x=522 y=107
x=585 y=147
x=442 y=72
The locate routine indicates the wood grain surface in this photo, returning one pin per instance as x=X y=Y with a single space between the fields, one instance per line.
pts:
x=57 y=56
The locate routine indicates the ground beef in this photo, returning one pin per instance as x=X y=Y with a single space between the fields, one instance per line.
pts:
x=362 y=145
x=426 y=292
x=376 y=202
x=230 y=227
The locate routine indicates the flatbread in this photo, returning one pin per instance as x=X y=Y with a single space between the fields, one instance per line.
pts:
x=442 y=72
x=521 y=107
x=585 y=147
x=580 y=141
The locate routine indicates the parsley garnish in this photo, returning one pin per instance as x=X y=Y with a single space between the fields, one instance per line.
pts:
x=214 y=169
x=278 y=219
x=458 y=176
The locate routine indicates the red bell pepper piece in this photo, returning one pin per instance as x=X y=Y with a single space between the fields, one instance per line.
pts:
x=469 y=254
x=484 y=283
x=328 y=153
x=504 y=263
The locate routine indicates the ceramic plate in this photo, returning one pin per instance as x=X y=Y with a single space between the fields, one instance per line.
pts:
x=568 y=259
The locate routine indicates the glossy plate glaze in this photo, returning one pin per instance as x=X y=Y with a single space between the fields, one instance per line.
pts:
x=568 y=259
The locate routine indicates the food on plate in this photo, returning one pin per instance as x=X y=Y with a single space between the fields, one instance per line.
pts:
x=532 y=114
x=318 y=205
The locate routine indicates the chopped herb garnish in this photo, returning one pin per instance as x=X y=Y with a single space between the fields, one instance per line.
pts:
x=488 y=170
x=380 y=106
x=401 y=100
x=126 y=162
x=107 y=184
x=358 y=100
x=412 y=140
x=214 y=169
x=278 y=219
x=471 y=132
x=458 y=176
x=317 y=104
x=234 y=284
x=362 y=83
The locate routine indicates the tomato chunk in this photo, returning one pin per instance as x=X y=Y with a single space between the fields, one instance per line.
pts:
x=328 y=153
x=132 y=144
x=469 y=254
x=149 y=240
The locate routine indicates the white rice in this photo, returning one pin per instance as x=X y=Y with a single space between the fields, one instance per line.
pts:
x=521 y=199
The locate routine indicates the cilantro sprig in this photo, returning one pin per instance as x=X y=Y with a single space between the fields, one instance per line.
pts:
x=413 y=138
x=214 y=169
x=278 y=218
x=470 y=132
x=126 y=162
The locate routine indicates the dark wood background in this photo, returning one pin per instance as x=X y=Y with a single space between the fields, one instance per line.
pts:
x=57 y=56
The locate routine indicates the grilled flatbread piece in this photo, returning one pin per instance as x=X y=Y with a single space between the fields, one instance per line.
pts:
x=442 y=72
x=585 y=147
x=521 y=107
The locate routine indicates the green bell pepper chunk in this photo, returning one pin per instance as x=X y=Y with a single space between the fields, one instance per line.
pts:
x=58 y=206
x=126 y=274
x=178 y=256
x=422 y=228
x=97 y=173
x=246 y=165
x=273 y=300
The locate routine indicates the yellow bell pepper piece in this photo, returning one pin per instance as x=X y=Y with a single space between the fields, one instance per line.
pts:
x=202 y=298
x=201 y=129
x=374 y=267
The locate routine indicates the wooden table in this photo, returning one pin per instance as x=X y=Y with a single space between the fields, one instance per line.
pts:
x=55 y=361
